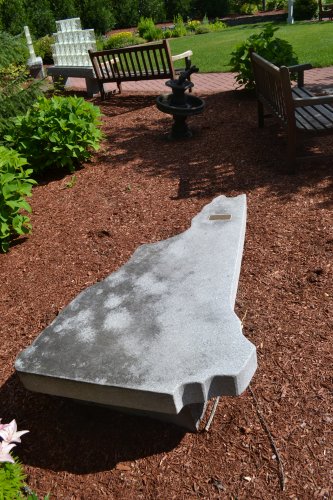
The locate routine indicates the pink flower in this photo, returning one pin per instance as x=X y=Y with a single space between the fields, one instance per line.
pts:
x=4 y=452
x=9 y=434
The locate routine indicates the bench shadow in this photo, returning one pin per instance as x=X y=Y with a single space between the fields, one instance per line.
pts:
x=239 y=156
x=92 y=438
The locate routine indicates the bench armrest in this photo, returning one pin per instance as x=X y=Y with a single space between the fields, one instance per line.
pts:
x=183 y=55
x=313 y=101
x=299 y=69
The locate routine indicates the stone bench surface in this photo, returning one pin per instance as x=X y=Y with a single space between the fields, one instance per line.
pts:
x=158 y=334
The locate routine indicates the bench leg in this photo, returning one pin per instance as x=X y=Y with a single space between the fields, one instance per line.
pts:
x=291 y=153
x=92 y=87
x=119 y=87
x=260 y=114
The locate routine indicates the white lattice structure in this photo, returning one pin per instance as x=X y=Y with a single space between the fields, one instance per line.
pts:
x=72 y=44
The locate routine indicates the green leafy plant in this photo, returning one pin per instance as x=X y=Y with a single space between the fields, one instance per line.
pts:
x=180 y=28
x=60 y=132
x=192 y=24
x=275 y=50
x=148 y=30
x=12 y=480
x=122 y=39
x=249 y=8
x=276 y=4
x=70 y=184
x=43 y=48
x=202 y=29
x=167 y=33
x=15 y=186
x=217 y=25
x=145 y=24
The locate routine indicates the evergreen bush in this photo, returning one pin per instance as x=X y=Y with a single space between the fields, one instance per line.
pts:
x=17 y=90
x=305 y=9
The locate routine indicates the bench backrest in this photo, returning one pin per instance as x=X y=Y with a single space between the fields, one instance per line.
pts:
x=273 y=87
x=139 y=62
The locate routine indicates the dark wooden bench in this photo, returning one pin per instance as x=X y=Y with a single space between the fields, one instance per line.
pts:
x=151 y=61
x=299 y=111
x=325 y=11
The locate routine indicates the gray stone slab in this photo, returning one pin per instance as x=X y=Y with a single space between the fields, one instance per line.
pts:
x=158 y=335
x=60 y=74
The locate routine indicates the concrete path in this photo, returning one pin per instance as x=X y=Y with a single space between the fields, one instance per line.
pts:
x=320 y=79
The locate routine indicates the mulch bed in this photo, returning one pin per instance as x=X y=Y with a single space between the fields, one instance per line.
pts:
x=142 y=188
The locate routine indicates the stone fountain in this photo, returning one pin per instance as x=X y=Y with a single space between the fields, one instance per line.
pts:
x=180 y=104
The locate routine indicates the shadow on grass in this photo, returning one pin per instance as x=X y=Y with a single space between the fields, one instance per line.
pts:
x=68 y=436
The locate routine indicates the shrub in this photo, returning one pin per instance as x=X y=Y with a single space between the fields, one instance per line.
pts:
x=275 y=50
x=15 y=186
x=154 y=34
x=249 y=8
x=43 y=48
x=167 y=33
x=17 y=91
x=217 y=25
x=276 y=4
x=148 y=30
x=145 y=24
x=305 y=9
x=180 y=28
x=123 y=39
x=192 y=25
x=61 y=131
x=202 y=29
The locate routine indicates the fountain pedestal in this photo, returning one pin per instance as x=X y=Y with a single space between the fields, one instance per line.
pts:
x=180 y=104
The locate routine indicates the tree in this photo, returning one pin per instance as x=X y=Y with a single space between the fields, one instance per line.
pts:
x=213 y=8
x=97 y=14
x=152 y=8
x=126 y=12
x=175 y=7
x=13 y=16
x=41 y=18
x=64 y=9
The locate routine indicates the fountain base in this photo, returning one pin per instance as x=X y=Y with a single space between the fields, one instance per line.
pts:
x=193 y=106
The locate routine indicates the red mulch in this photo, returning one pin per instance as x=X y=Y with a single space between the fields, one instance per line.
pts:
x=142 y=188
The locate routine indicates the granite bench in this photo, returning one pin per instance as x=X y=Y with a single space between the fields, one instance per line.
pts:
x=158 y=337
x=60 y=75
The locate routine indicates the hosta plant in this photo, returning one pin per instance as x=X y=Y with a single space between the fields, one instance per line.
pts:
x=15 y=186
x=61 y=131
x=275 y=50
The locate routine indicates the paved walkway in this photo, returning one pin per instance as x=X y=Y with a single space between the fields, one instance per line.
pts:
x=318 y=79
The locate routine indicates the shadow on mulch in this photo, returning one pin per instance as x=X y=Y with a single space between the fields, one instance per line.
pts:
x=80 y=438
x=232 y=124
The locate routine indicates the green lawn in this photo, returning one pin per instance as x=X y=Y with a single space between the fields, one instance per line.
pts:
x=312 y=42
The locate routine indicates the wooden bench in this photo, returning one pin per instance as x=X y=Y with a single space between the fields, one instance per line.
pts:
x=325 y=10
x=299 y=111
x=151 y=61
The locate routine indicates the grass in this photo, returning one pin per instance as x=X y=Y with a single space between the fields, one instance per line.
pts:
x=312 y=42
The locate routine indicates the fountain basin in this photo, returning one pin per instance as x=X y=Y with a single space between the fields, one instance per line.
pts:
x=190 y=105
x=193 y=105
